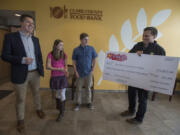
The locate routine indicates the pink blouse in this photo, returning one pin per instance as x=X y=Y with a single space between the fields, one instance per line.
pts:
x=57 y=64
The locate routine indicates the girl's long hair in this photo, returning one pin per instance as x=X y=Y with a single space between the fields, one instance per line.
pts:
x=55 y=52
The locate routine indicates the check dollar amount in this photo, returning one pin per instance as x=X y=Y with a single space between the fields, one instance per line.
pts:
x=149 y=72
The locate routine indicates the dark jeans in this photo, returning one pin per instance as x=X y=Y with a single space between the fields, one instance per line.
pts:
x=142 y=99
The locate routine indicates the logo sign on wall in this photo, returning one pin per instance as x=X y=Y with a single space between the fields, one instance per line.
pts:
x=76 y=14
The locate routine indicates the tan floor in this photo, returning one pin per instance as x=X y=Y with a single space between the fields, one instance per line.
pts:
x=162 y=117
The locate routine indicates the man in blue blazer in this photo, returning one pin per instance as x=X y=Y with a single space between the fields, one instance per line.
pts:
x=22 y=50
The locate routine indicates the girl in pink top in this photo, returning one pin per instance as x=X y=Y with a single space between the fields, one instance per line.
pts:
x=57 y=63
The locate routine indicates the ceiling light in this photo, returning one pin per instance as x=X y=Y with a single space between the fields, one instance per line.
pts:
x=17 y=15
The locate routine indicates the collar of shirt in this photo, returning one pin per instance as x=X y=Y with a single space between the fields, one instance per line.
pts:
x=150 y=44
x=24 y=35
x=83 y=46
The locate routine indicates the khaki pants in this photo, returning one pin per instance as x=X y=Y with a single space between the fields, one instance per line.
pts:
x=87 y=82
x=33 y=79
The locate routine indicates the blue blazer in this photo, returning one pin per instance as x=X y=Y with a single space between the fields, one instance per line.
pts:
x=13 y=51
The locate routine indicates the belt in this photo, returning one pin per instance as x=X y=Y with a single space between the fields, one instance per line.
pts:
x=32 y=70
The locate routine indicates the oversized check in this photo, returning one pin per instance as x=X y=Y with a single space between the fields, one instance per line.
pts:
x=149 y=72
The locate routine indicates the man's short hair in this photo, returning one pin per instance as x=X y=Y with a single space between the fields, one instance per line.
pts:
x=24 y=16
x=153 y=30
x=83 y=35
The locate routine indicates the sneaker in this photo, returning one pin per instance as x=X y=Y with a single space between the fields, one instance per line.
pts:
x=126 y=114
x=77 y=107
x=134 y=121
x=90 y=106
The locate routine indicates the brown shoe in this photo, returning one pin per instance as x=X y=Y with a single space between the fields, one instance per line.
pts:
x=20 y=126
x=126 y=114
x=40 y=114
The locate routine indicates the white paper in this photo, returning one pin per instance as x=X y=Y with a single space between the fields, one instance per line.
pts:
x=149 y=72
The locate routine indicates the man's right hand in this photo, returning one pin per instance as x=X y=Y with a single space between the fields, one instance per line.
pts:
x=62 y=69
x=28 y=60
x=139 y=53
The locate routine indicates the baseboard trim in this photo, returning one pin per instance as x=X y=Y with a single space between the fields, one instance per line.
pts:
x=109 y=91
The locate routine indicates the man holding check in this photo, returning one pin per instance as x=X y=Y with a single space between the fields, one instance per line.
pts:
x=151 y=47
